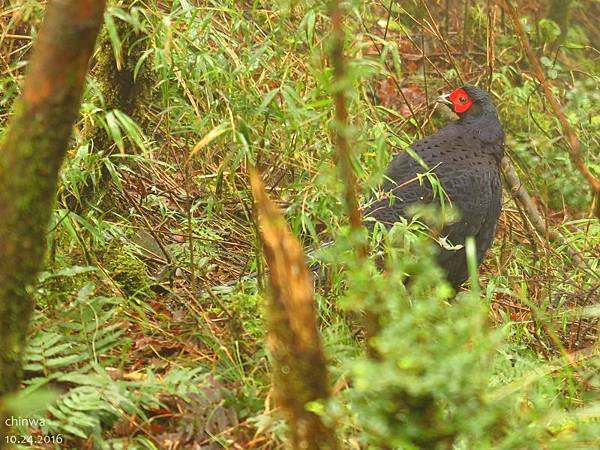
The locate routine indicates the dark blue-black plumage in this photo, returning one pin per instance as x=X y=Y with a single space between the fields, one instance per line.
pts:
x=465 y=157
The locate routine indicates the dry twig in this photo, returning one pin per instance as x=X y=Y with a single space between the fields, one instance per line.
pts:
x=342 y=144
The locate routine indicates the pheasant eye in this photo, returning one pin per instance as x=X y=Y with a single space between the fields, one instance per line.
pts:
x=463 y=99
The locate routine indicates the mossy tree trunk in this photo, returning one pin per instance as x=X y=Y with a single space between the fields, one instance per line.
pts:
x=123 y=85
x=31 y=155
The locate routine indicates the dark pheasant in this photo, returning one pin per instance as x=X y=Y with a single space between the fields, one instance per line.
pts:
x=465 y=157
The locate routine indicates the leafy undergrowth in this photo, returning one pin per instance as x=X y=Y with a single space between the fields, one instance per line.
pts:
x=147 y=332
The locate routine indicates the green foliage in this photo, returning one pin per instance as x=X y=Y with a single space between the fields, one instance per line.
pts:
x=549 y=31
x=439 y=372
x=82 y=359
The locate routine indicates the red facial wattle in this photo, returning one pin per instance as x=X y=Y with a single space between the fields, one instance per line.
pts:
x=461 y=101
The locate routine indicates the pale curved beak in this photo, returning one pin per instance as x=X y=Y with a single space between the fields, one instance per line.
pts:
x=445 y=99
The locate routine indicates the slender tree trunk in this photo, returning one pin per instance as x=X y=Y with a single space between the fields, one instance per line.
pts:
x=30 y=158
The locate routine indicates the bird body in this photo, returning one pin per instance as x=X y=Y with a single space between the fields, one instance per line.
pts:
x=465 y=157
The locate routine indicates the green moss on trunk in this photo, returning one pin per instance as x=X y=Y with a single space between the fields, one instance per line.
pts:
x=123 y=88
x=121 y=85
